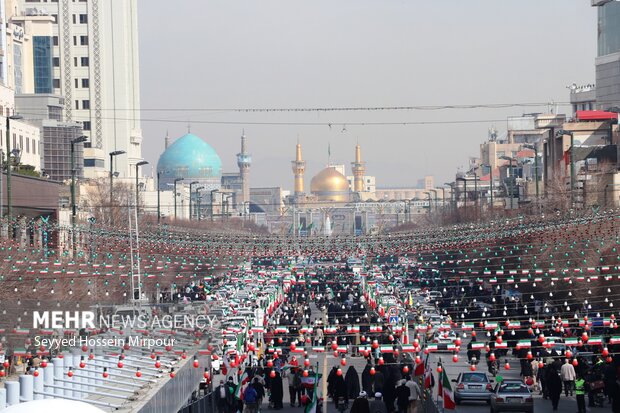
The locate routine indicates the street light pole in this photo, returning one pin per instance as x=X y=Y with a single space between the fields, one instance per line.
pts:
x=139 y=164
x=175 y=196
x=430 y=203
x=490 y=182
x=512 y=189
x=533 y=147
x=73 y=142
x=190 y=197
x=158 y=199
x=197 y=203
x=213 y=191
x=513 y=179
x=562 y=132
x=112 y=155
x=9 y=203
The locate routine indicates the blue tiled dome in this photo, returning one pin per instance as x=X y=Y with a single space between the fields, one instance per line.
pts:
x=190 y=157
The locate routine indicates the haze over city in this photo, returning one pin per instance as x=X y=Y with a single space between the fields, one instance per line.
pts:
x=294 y=54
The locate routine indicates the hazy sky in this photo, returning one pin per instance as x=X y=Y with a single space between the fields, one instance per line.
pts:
x=198 y=54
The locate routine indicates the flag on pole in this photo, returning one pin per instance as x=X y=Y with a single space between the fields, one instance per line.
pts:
x=242 y=381
x=311 y=408
x=427 y=374
x=448 y=396
x=440 y=384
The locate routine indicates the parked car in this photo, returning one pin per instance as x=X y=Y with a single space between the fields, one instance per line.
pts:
x=474 y=386
x=512 y=396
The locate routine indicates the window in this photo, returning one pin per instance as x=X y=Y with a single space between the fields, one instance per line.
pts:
x=84 y=61
x=83 y=18
x=84 y=40
x=55 y=40
x=27 y=145
x=85 y=83
x=86 y=104
x=75 y=40
x=77 y=104
x=55 y=17
x=76 y=83
x=21 y=142
x=93 y=163
x=75 y=61
x=56 y=61
x=86 y=125
x=56 y=83
x=14 y=140
x=74 y=19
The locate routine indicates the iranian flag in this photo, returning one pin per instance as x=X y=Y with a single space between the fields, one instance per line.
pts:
x=593 y=341
x=448 y=396
x=477 y=345
x=467 y=326
x=242 y=381
x=524 y=344
x=571 y=341
x=427 y=374
x=614 y=340
x=408 y=348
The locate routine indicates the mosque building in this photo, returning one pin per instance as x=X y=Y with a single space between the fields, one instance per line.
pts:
x=333 y=203
x=203 y=191
x=336 y=204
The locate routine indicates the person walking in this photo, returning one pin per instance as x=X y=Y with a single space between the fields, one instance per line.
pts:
x=580 y=394
x=567 y=373
x=414 y=394
x=277 y=392
x=292 y=391
x=377 y=405
x=221 y=398
x=260 y=391
x=553 y=385
x=250 y=399
x=402 y=396
x=360 y=404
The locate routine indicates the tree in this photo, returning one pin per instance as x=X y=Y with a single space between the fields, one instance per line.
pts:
x=111 y=211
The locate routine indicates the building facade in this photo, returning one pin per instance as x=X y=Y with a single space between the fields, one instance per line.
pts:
x=608 y=56
x=94 y=58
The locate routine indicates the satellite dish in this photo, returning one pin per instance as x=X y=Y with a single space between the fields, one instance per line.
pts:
x=53 y=406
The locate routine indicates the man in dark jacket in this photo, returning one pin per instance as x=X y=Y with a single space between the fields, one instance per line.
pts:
x=221 y=397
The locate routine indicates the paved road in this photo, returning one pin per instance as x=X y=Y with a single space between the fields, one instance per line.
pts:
x=566 y=405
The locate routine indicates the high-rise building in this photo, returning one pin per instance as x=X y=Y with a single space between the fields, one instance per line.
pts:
x=608 y=56
x=94 y=52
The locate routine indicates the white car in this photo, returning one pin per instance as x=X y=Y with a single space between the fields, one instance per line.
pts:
x=216 y=365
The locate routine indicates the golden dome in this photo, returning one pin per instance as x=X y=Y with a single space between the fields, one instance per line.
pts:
x=330 y=185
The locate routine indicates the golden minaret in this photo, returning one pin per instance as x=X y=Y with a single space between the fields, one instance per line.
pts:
x=299 y=167
x=359 y=169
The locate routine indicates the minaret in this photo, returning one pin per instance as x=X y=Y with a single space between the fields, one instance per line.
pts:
x=167 y=141
x=359 y=169
x=299 y=167
x=244 y=160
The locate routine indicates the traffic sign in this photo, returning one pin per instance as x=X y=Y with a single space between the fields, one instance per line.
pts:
x=392 y=311
x=393 y=319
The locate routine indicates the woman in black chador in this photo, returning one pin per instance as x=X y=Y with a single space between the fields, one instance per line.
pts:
x=352 y=381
